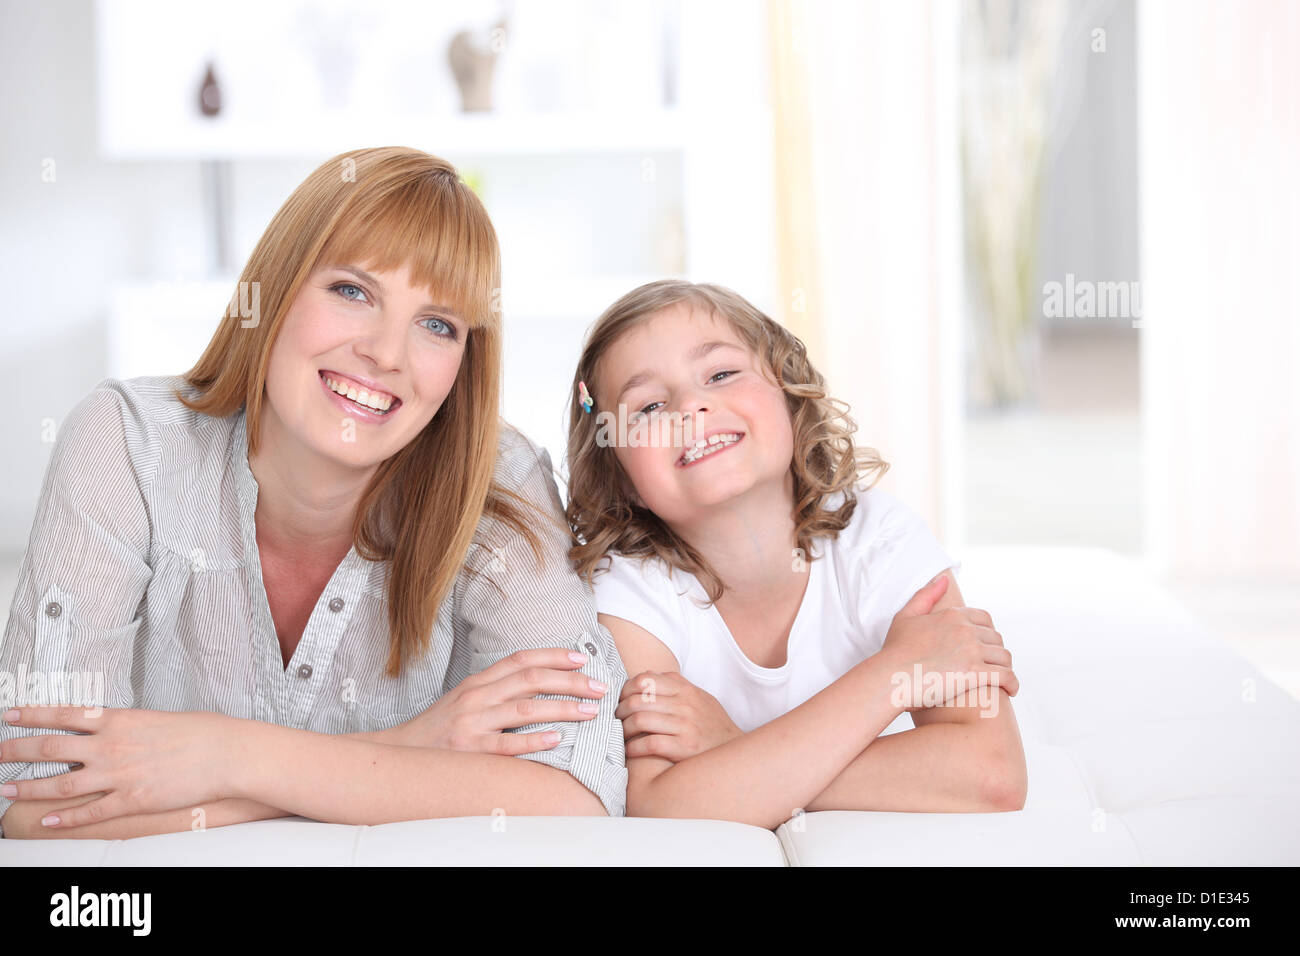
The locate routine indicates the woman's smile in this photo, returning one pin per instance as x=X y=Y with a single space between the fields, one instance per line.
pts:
x=353 y=406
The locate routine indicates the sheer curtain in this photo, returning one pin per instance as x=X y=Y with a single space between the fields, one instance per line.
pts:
x=865 y=111
x=1219 y=121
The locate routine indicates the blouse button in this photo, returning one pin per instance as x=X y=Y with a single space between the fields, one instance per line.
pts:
x=591 y=648
x=54 y=609
x=336 y=604
x=304 y=671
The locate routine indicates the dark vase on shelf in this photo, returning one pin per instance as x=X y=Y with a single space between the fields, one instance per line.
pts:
x=210 y=93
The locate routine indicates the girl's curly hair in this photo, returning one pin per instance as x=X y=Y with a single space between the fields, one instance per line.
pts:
x=601 y=509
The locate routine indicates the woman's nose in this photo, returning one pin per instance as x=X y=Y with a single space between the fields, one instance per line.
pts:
x=383 y=344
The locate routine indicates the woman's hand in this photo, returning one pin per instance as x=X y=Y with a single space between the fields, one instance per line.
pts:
x=665 y=715
x=473 y=715
x=946 y=643
x=142 y=761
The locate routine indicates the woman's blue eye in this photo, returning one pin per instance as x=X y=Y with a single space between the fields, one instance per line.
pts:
x=730 y=372
x=450 y=329
x=347 y=285
x=447 y=331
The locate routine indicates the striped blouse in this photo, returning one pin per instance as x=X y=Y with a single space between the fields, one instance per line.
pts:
x=141 y=586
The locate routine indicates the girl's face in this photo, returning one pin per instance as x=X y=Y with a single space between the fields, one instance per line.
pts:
x=685 y=365
x=379 y=339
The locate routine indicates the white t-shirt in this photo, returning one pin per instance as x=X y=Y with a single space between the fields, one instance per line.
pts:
x=858 y=582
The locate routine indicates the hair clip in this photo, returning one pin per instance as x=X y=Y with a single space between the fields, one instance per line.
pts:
x=584 y=398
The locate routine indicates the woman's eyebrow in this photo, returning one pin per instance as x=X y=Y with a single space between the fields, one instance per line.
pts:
x=695 y=354
x=366 y=276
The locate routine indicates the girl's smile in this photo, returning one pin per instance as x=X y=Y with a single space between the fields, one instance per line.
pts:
x=710 y=446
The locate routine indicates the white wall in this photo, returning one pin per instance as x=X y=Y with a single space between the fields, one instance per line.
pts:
x=1220 y=148
x=884 y=116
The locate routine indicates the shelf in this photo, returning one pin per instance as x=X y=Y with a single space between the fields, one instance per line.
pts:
x=454 y=136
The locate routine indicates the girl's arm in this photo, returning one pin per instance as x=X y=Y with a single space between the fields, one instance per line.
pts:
x=944 y=767
x=765 y=776
x=956 y=760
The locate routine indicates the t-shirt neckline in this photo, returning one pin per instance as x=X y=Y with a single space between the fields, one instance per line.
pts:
x=796 y=628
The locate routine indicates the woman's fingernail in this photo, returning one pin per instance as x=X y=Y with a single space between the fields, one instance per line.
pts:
x=551 y=738
x=589 y=708
x=577 y=658
x=597 y=686
x=11 y=715
x=8 y=790
x=50 y=821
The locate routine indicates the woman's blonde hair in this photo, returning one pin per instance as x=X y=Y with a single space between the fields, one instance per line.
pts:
x=386 y=208
x=601 y=511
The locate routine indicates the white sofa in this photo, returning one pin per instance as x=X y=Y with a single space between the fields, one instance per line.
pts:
x=1148 y=741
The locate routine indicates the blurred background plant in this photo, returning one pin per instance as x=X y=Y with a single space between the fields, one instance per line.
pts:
x=1009 y=55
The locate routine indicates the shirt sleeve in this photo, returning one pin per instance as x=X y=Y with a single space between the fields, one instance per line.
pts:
x=900 y=558
x=510 y=605
x=635 y=591
x=75 y=612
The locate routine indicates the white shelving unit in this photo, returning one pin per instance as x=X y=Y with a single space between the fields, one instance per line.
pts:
x=589 y=201
x=455 y=136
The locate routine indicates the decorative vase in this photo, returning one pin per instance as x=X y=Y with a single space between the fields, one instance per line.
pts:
x=472 y=66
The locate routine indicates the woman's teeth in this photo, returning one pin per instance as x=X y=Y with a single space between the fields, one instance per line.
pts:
x=376 y=402
x=708 y=446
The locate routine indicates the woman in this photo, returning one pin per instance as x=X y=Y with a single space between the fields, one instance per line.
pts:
x=317 y=574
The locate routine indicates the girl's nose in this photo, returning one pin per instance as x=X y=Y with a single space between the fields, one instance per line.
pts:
x=695 y=405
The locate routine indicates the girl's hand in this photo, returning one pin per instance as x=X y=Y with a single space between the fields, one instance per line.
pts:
x=951 y=641
x=473 y=715
x=143 y=761
x=665 y=715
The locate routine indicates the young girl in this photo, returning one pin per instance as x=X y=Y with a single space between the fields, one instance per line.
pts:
x=317 y=574
x=770 y=605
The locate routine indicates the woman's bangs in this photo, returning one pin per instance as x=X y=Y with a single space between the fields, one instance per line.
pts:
x=444 y=240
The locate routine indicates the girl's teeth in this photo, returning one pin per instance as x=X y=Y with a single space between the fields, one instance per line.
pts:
x=702 y=447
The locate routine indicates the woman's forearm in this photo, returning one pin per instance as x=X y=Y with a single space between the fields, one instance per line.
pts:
x=358 y=781
x=763 y=777
x=23 y=819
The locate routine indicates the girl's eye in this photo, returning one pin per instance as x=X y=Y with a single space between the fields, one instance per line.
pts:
x=728 y=372
x=651 y=405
